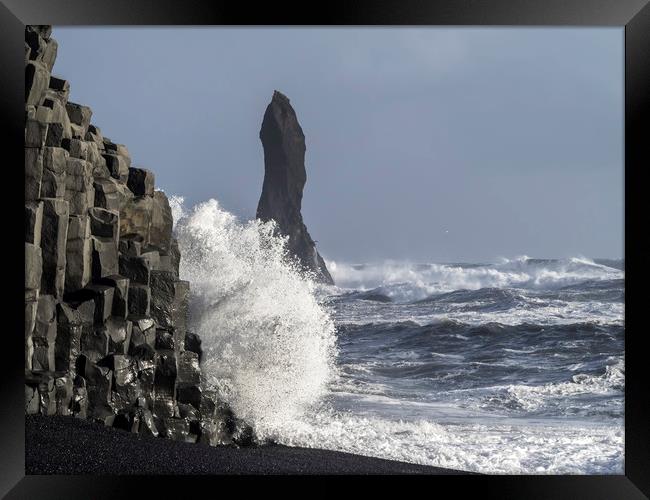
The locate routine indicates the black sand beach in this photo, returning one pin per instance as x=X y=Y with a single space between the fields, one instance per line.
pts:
x=66 y=445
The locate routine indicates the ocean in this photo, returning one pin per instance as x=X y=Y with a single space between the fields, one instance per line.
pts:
x=508 y=367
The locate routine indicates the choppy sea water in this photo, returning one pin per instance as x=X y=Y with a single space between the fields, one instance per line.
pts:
x=512 y=367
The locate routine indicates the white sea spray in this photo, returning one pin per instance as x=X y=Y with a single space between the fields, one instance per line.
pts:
x=269 y=345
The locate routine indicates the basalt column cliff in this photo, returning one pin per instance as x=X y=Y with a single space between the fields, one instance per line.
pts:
x=105 y=311
x=284 y=180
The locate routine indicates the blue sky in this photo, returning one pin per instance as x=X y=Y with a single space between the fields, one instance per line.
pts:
x=430 y=144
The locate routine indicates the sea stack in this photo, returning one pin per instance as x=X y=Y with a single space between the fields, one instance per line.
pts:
x=284 y=180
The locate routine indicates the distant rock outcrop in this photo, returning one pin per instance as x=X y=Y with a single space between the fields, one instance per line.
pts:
x=284 y=180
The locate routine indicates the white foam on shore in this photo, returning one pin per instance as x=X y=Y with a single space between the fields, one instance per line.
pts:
x=526 y=448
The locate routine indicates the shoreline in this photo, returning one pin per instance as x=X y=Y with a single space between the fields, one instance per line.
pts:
x=70 y=446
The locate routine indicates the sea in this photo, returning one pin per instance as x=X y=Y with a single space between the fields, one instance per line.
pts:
x=515 y=366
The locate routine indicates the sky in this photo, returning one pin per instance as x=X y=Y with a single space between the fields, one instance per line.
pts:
x=426 y=144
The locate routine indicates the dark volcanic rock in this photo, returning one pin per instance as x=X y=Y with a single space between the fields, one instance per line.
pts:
x=99 y=381
x=40 y=393
x=135 y=217
x=36 y=81
x=139 y=299
x=31 y=305
x=130 y=246
x=54 y=233
x=120 y=297
x=117 y=165
x=143 y=332
x=164 y=339
x=35 y=133
x=68 y=338
x=119 y=334
x=104 y=257
x=174 y=255
x=80 y=191
x=33 y=173
x=94 y=343
x=106 y=194
x=33 y=266
x=141 y=181
x=136 y=268
x=169 y=300
x=53 y=184
x=79 y=117
x=189 y=373
x=165 y=384
x=78 y=253
x=284 y=180
x=104 y=223
x=33 y=222
x=105 y=312
x=161 y=222
x=193 y=344
x=44 y=336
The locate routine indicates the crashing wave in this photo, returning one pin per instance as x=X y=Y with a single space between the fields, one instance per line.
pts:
x=269 y=345
x=405 y=281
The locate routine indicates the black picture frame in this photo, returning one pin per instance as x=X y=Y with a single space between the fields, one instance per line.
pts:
x=633 y=15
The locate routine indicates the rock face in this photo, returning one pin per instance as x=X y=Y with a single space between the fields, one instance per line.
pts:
x=284 y=180
x=105 y=310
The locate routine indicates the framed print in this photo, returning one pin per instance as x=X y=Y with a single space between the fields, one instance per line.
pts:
x=396 y=239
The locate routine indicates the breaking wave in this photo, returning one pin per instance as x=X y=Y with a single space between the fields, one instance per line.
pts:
x=407 y=282
x=269 y=345
x=557 y=396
